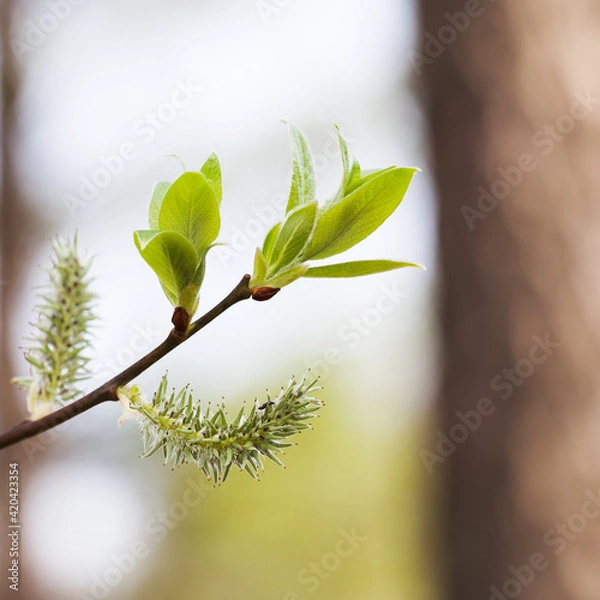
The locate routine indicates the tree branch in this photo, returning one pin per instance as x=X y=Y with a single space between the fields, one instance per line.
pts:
x=108 y=391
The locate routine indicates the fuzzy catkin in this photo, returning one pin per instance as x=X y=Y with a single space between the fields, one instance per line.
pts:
x=188 y=433
x=61 y=336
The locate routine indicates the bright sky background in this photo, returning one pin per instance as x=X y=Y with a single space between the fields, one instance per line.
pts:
x=90 y=84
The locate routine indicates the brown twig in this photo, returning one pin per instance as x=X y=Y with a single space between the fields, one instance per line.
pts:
x=108 y=391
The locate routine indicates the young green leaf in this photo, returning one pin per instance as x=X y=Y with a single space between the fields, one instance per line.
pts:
x=353 y=177
x=358 y=215
x=198 y=279
x=351 y=170
x=191 y=209
x=189 y=300
x=171 y=256
x=286 y=276
x=158 y=195
x=211 y=169
x=293 y=236
x=366 y=176
x=260 y=268
x=171 y=297
x=303 y=188
x=358 y=268
x=270 y=241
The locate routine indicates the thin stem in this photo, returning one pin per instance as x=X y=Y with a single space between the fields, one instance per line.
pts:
x=108 y=391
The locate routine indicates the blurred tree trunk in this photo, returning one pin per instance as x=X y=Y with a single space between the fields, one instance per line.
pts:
x=514 y=108
x=12 y=218
x=18 y=236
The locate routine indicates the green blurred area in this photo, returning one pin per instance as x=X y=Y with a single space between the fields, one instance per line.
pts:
x=347 y=518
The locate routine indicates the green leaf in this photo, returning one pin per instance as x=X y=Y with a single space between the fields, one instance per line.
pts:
x=171 y=256
x=189 y=298
x=303 y=188
x=158 y=195
x=353 y=177
x=365 y=177
x=260 y=268
x=350 y=166
x=293 y=236
x=359 y=214
x=200 y=273
x=211 y=169
x=286 y=276
x=270 y=241
x=191 y=209
x=358 y=268
x=171 y=297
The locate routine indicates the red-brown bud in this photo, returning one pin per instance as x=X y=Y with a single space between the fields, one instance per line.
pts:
x=181 y=320
x=264 y=293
